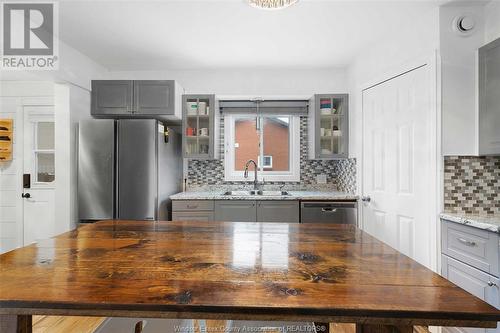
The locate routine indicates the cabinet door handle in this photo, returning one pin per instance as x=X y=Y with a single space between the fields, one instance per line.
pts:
x=192 y=206
x=466 y=242
x=328 y=210
x=492 y=284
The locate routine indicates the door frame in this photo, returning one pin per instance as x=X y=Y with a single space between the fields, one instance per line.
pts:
x=436 y=199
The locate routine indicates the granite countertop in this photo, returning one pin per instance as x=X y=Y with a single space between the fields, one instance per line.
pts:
x=490 y=223
x=293 y=195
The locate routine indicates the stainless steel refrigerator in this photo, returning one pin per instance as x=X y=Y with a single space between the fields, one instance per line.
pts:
x=127 y=169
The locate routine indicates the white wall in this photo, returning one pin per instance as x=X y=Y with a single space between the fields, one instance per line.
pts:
x=72 y=104
x=260 y=82
x=377 y=62
x=458 y=77
x=74 y=67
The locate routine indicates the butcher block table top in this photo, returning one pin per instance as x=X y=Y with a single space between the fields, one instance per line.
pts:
x=231 y=270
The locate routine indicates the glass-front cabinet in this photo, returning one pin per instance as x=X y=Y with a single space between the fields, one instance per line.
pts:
x=329 y=126
x=200 y=126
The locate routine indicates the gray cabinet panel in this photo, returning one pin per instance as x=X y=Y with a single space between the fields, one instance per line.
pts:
x=278 y=211
x=476 y=282
x=478 y=248
x=112 y=97
x=235 y=210
x=489 y=99
x=192 y=205
x=193 y=216
x=154 y=97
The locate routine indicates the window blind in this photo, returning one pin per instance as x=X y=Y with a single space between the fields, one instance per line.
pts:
x=292 y=107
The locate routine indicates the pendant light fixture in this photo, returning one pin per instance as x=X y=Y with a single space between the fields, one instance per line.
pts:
x=271 y=4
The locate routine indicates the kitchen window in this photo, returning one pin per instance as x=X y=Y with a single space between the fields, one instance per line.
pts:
x=271 y=138
x=44 y=152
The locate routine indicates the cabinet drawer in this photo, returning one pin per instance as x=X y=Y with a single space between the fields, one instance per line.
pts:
x=193 y=216
x=476 y=282
x=478 y=248
x=278 y=211
x=192 y=205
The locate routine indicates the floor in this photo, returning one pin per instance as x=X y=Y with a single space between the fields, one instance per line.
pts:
x=54 y=324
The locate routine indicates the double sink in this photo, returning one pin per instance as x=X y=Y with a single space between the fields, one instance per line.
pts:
x=245 y=193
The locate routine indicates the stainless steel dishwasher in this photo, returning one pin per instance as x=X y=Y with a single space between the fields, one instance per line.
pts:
x=340 y=212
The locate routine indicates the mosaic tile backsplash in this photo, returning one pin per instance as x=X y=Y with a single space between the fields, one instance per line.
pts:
x=340 y=174
x=472 y=185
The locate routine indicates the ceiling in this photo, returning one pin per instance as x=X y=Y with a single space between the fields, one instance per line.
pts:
x=162 y=35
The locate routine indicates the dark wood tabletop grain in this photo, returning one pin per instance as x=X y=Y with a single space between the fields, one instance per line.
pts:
x=231 y=270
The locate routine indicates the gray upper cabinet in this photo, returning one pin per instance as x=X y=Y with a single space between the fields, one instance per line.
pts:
x=488 y=135
x=154 y=97
x=112 y=97
x=159 y=99
x=200 y=126
x=235 y=210
x=329 y=126
x=278 y=211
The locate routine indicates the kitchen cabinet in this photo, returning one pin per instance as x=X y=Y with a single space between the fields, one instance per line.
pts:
x=159 y=99
x=469 y=259
x=329 y=126
x=476 y=282
x=470 y=99
x=193 y=210
x=278 y=211
x=489 y=99
x=200 y=126
x=475 y=247
x=112 y=97
x=193 y=216
x=236 y=210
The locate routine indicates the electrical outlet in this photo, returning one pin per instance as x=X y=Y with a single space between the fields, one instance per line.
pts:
x=321 y=179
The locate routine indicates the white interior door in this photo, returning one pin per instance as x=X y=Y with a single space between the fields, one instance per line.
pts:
x=399 y=163
x=39 y=164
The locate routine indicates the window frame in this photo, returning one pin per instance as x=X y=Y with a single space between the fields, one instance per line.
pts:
x=35 y=151
x=293 y=175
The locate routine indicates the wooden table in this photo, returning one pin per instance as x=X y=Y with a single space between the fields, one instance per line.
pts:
x=231 y=270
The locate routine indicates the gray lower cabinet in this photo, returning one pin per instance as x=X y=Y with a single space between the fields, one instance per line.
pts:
x=469 y=259
x=474 y=281
x=112 y=97
x=192 y=210
x=193 y=216
x=235 y=210
x=278 y=211
x=476 y=247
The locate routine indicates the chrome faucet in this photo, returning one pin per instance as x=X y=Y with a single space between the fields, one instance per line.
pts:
x=245 y=174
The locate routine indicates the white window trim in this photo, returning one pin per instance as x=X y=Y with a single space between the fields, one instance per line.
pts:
x=34 y=120
x=291 y=176
x=270 y=166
